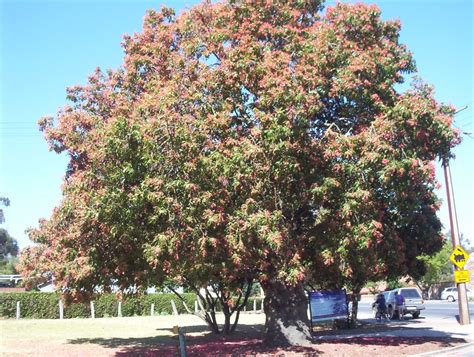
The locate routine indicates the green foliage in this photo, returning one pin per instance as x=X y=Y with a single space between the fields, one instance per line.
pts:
x=8 y=252
x=8 y=266
x=106 y=305
x=394 y=283
x=34 y=305
x=438 y=267
x=8 y=245
x=37 y=305
x=372 y=286
x=75 y=310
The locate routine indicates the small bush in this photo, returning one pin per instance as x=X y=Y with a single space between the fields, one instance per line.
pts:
x=105 y=305
x=77 y=310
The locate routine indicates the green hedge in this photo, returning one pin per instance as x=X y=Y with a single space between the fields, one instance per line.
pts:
x=33 y=305
x=37 y=305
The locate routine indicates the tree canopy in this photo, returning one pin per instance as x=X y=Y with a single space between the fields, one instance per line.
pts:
x=438 y=268
x=248 y=140
x=8 y=245
x=8 y=252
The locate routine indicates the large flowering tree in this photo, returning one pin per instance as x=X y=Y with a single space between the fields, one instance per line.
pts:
x=248 y=140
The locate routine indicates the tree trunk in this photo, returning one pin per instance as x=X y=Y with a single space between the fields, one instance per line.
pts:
x=208 y=317
x=234 y=325
x=286 y=322
x=226 y=329
x=354 y=309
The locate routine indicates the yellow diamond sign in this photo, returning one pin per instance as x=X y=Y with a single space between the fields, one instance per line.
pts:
x=459 y=257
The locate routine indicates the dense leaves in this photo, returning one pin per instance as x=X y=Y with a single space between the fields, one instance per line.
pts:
x=438 y=267
x=247 y=140
x=8 y=245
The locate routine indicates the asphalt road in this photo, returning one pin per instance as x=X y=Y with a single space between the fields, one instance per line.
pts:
x=433 y=308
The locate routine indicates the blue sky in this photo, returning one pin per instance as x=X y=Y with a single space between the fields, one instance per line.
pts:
x=47 y=46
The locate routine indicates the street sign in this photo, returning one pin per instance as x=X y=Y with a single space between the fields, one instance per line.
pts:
x=461 y=276
x=459 y=257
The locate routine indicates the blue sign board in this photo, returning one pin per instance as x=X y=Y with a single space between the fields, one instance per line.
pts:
x=327 y=305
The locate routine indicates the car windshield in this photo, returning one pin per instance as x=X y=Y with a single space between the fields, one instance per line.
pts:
x=410 y=293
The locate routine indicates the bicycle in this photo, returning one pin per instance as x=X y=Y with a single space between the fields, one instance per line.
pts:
x=381 y=313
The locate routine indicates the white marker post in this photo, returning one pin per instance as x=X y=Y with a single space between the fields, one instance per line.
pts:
x=119 y=314
x=92 y=310
x=152 y=310
x=173 y=306
x=61 y=310
x=17 y=310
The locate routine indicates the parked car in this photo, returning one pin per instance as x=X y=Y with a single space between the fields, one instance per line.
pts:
x=451 y=294
x=413 y=302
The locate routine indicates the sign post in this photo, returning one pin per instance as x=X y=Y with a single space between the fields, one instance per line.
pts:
x=464 y=318
x=459 y=258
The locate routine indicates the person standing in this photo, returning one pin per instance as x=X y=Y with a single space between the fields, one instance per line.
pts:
x=399 y=304
x=381 y=307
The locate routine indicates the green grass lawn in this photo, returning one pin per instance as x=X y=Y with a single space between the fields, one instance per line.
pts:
x=117 y=336
x=102 y=337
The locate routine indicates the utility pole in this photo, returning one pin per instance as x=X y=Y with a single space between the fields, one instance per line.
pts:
x=464 y=318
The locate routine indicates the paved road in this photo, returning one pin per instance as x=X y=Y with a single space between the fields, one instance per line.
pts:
x=437 y=320
x=434 y=308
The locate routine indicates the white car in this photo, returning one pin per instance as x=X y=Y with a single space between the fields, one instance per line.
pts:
x=413 y=302
x=451 y=294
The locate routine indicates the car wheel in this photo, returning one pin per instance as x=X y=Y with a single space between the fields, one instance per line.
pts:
x=416 y=315
x=450 y=298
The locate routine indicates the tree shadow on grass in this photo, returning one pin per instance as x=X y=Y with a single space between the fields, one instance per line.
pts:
x=247 y=340
x=363 y=326
x=204 y=330
x=188 y=329
x=132 y=342
x=243 y=346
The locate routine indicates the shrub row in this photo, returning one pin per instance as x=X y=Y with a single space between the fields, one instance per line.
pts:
x=38 y=305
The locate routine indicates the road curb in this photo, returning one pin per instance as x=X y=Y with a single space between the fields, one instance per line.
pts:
x=445 y=351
